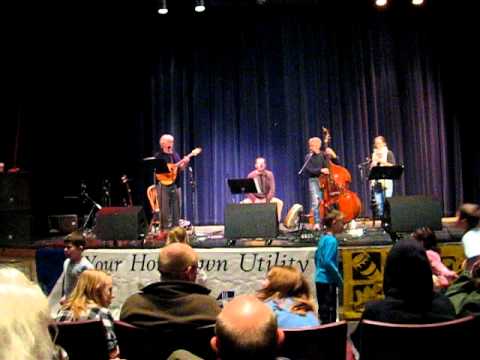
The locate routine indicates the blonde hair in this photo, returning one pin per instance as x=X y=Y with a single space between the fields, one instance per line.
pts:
x=88 y=291
x=11 y=275
x=177 y=234
x=24 y=319
x=287 y=281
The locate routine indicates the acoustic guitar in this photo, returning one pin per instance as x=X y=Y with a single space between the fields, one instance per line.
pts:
x=170 y=177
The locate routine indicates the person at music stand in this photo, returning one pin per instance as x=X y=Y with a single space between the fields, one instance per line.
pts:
x=381 y=189
x=169 y=190
x=265 y=181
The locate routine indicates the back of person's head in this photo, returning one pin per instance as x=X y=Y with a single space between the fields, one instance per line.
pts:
x=408 y=275
x=10 y=275
x=90 y=290
x=469 y=214
x=177 y=234
x=427 y=238
x=288 y=282
x=178 y=261
x=475 y=273
x=75 y=238
x=331 y=217
x=24 y=319
x=246 y=328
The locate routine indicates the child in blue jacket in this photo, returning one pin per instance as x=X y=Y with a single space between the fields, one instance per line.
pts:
x=327 y=275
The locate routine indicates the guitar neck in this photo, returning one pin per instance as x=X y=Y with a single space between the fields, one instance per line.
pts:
x=188 y=157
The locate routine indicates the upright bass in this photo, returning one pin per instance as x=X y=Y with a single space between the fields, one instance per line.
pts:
x=335 y=186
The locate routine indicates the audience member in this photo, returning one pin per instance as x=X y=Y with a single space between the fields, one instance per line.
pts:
x=177 y=234
x=468 y=217
x=176 y=301
x=287 y=293
x=408 y=288
x=24 y=319
x=464 y=293
x=75 y=263
x=327 y=275
x=89 y=301
x=442 y=276
x=246 y=329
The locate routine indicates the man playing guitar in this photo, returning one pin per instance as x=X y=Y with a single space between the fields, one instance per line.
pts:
x=169 y=193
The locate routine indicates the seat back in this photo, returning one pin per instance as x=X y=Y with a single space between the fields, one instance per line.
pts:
x=131 y=340
x=137 y=343
x=324 y=342
x=81 y=340
x=445 y=340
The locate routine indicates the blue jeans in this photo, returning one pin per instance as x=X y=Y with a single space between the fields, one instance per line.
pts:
x=379 y=197
x=316 y=196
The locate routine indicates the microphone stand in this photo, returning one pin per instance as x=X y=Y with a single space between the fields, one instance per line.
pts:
x=193 y=184
x=95 y=206
x=305 y=163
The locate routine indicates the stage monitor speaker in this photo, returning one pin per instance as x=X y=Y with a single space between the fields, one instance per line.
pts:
x=15 y=227
x=251 y=221
x=121 y=223
x=408 y=213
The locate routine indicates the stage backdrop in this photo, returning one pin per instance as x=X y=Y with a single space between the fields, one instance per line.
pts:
x=262 y=86
x=242 y=84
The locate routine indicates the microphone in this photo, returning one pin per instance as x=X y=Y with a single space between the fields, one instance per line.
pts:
x=98 y=206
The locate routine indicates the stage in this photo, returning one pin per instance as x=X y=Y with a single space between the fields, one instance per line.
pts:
x=233 y=265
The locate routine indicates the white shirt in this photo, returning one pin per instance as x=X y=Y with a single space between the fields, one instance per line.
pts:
x=471 y=243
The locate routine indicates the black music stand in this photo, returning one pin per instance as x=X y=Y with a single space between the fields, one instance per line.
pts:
x=384 y=173
x=242 y=186
x=156 y=165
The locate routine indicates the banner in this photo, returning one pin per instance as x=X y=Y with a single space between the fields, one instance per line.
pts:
x=237 y=270
x=232 y=271
x=363 y=269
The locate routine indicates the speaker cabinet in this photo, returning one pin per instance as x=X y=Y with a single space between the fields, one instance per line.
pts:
x=15 y=227
x=15 y=191
x=251 y=221
x=408 y=213
x=121 y=223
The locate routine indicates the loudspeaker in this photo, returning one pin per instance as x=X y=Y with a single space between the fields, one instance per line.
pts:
x=120 y=223
x=15 y=191
x=408 y=213
x=15 y=227
x=251 y=221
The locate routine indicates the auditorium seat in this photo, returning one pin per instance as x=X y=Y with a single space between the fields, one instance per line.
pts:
x=137 y=343
x=82 y=339
x=440 y=341
x=321 y=342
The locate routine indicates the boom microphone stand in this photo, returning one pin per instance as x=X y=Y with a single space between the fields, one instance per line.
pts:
x=95 y=207
x=305 y=163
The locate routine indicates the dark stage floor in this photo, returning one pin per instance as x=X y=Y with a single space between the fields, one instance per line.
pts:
x=364 y=234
